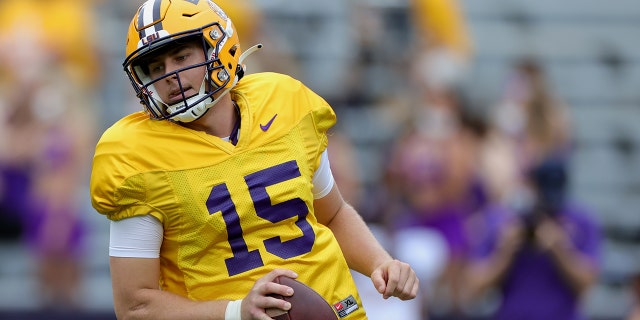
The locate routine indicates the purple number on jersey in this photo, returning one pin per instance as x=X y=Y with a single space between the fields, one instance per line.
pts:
x=243 y=259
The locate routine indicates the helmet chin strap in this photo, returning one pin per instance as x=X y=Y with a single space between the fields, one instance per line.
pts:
x=199 y=109
x=194 y=112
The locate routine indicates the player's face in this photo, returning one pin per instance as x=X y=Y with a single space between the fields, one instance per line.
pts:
x=166 y=61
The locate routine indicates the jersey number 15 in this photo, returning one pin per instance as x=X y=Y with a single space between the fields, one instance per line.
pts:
x=243 y=259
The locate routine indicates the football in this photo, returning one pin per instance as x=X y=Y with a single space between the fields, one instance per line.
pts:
x=306 y=303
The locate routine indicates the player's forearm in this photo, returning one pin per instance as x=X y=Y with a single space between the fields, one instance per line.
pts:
x=158 y=305
x=361 y=249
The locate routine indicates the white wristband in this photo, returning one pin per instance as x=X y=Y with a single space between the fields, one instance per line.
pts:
x=233 y=311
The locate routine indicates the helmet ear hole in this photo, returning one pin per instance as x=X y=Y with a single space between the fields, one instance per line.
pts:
x=233 y=50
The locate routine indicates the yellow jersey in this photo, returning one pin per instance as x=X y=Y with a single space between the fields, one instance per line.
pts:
x=230 y=213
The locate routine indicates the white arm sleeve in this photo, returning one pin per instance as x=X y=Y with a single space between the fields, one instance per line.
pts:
x=135 y=237
x=323 y=178
x=141 y=236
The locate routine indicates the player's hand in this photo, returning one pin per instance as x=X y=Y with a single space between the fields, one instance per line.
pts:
x=395 y=279
x=258 y=305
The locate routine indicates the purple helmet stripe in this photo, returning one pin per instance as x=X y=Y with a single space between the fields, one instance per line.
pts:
x=147 y=17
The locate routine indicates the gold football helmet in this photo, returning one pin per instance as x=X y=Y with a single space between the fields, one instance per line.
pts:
x=160 y=23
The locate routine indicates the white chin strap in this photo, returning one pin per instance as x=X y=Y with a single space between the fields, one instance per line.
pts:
x=199 y=109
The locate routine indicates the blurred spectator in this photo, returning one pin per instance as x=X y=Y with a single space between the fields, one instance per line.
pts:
x=541 y=257
x=443 y=44
x=48 y=71
x=347 y=173
x=528 y=124
x=537 y=248
x=62 y=28
x=442 y=22
x=374 y=63
x=428 y=39
x=433 y=177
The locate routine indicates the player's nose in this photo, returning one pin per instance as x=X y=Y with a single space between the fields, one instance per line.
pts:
x=170 y=67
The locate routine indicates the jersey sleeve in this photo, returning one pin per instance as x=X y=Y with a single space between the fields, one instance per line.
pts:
x=118 y=189
x=323 y=118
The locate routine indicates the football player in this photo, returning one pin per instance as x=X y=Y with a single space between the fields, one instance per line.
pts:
x=223 y=183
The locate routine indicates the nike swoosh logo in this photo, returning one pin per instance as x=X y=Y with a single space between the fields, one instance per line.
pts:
x=266 y=126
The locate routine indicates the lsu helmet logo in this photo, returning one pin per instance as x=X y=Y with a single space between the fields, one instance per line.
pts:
x=150 y=37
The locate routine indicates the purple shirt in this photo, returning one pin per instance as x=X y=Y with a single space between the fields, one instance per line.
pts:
x=448 y=220
x=533 y=288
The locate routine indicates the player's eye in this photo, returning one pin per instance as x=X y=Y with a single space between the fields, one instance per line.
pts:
x=182 y=56
x=156 y=70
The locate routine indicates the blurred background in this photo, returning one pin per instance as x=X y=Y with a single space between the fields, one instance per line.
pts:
x=443 y=107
